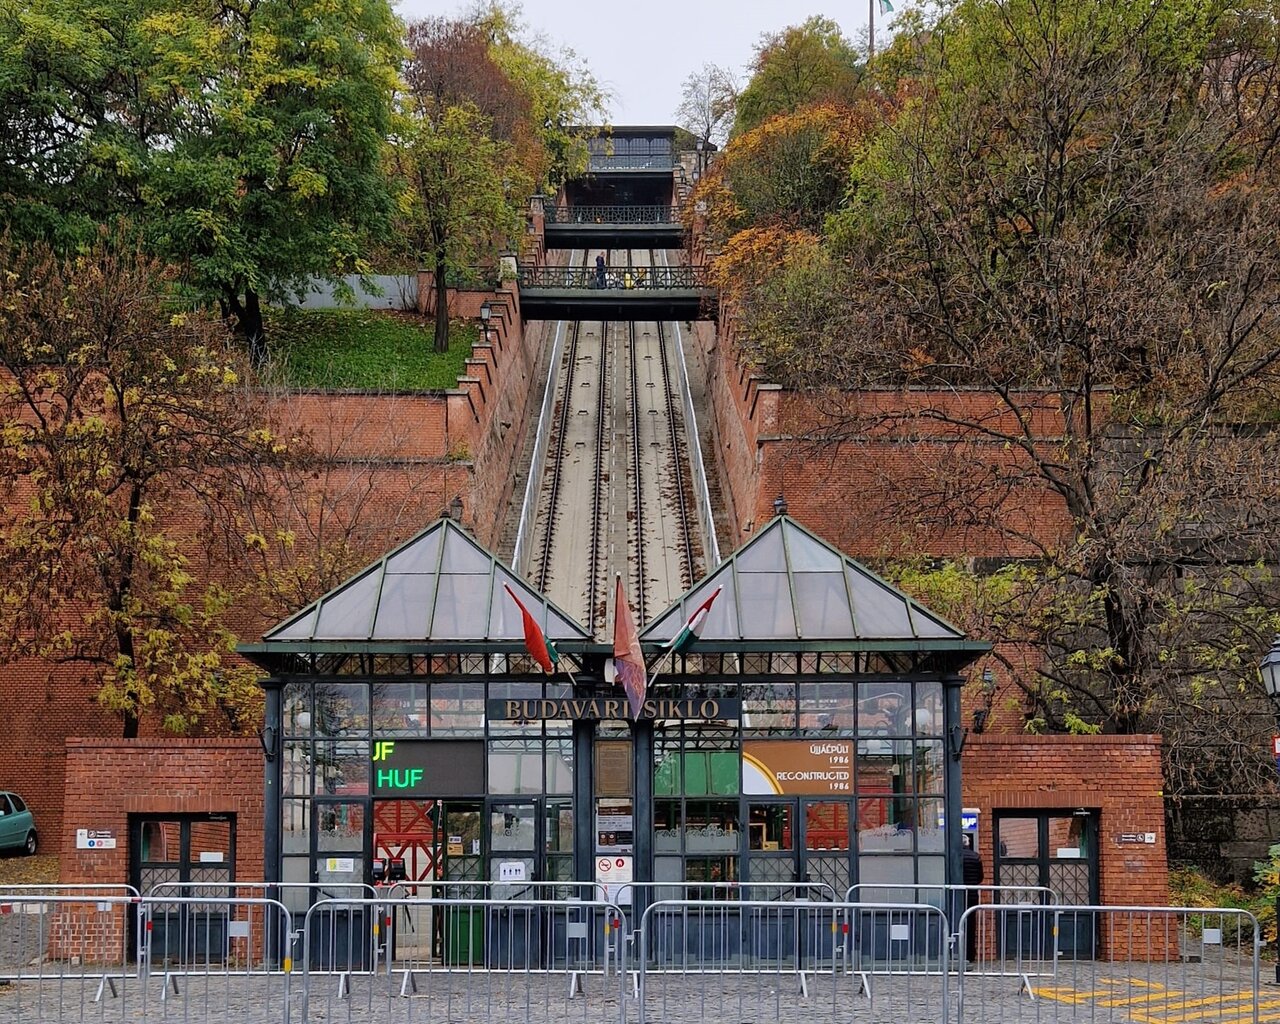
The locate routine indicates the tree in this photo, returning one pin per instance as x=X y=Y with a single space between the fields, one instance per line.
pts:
x=1069 y=242
x=124 y=422
x=707 y=103
x=246 y=138
x=456 y=209
x=797 y=67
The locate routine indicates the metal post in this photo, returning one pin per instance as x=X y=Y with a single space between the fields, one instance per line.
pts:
x=951 y=685
x=583 y=792
x=642 y=812
x=273 y=806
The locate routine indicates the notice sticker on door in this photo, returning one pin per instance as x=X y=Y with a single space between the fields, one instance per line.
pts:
x=337 y=865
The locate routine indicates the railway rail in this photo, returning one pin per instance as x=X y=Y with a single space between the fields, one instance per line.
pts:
x=616 y=494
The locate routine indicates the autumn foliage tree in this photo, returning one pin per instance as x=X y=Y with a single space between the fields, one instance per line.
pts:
x=1062 y=253
x=125 y=419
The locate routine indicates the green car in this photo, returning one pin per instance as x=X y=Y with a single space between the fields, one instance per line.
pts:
x=17 y=825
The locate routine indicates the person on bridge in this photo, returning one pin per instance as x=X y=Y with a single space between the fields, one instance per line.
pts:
x=600 y=270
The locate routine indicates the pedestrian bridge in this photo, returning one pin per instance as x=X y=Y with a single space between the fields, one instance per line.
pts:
x=626 y=293
x=613 y=227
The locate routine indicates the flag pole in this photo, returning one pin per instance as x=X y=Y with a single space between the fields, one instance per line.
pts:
x=871 y=44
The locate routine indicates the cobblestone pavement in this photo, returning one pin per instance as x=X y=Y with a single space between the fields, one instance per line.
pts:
x=1098 y=993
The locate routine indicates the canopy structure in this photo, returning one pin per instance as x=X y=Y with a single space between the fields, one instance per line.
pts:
x=787 y=590
x=439 y=592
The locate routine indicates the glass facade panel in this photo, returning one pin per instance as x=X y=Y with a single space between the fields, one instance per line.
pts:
x=342 y=768
x=559 y=766
x=422 y=556
x=515 y=766
x=401 y=709
x=822 y=605
x=769 y=708
x=404 y=607
x=459 y=606
x=929 y=708
x=457 y=710
x=770 y=828
x=877 y=611
x=342 y=709
x=347 y=615
x=828 y=708
x=765 y=610
x=512 y=827
x=806 y=555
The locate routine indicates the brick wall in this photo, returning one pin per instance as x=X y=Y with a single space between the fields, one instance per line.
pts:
x=107 y=780
x=1119 y=777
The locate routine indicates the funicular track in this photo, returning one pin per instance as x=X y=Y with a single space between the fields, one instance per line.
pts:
x=616 y=492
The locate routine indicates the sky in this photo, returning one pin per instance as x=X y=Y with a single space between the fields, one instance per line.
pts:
x=642 y=51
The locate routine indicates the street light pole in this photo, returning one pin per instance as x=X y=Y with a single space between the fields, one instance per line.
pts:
x=1270 y=670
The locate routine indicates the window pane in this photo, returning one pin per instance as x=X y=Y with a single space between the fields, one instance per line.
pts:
x=515 y=766
x=339 y=827
x=711 y=827
x=822 y=605
x=826 y=825
x=342 y=709
x=296 y=702
x=512 y=827
x=769 y=709
x=878 y=829
x=296 y=769
x=457 y=709
x=770 y=828
x=559 y=767
x=296 y=825
x=931 y=836
x=828 y=708
x=401 y=709
x=342 y=768
x=667 y=826
x=929 y=709
x=765 y=607
x=880 y=870
x=930 y=768
x=1018 y=837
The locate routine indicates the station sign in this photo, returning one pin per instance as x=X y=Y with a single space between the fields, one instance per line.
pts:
x=582 y=709
x=430 y=768
x=800 y=767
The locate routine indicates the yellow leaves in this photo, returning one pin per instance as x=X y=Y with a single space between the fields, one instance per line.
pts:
x=255 y=542
x=306 y=182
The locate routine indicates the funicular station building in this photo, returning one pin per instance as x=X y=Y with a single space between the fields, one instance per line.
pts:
x=809 y=734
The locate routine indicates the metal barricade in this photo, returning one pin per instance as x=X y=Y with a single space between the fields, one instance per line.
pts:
x=487 y=960
x=215 y=957
x=66 y=951
x=344 y=943
x=1153 y=965
x=792 y=961
x=953 y=901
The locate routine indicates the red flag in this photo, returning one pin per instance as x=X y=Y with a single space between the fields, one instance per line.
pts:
x=535 y=642
x=628 y=661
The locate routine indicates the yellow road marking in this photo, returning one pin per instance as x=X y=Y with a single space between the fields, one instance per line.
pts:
x=1206 y=1006
x=1069 y=995
x=1248 y=1019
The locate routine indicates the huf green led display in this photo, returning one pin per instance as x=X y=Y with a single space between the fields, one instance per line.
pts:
x=430 y=768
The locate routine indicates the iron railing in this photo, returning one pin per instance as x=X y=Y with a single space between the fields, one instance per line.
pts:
x=628 y=277
x=612 y=215
x=631 y=162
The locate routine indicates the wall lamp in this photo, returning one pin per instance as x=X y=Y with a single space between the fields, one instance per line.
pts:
x=269 y=737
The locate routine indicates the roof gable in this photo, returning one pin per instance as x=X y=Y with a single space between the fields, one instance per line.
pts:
x=440 y=586
x=790 y=588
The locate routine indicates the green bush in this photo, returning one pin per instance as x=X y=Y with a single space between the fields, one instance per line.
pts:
x=364 y=349
x=1189 y=887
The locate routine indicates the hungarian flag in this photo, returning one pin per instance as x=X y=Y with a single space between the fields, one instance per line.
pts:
x=535 y=641
x=628 y=661
x=693 y=628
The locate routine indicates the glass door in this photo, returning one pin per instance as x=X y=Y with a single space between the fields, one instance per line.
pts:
x=514 y=850
x=827 y=844
x=772 y=846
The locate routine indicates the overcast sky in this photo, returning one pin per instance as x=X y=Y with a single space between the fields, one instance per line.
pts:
x=642 y=51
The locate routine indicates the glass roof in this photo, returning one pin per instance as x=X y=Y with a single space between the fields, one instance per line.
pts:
x=787 y=587
x=440 y=586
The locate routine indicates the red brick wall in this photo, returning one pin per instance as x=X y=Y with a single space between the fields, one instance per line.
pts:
x=1117 y=776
